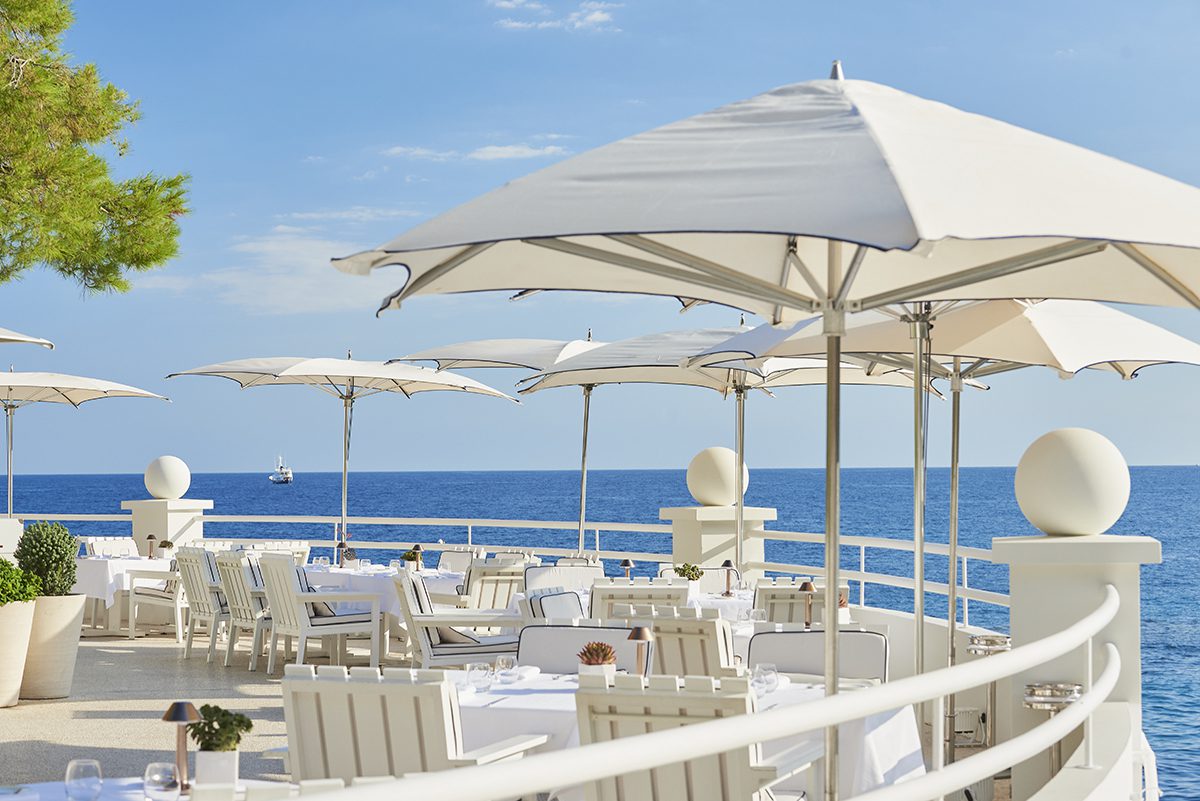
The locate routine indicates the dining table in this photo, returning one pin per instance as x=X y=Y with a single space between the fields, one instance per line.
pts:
x=102 y=578
x=380 y=580
x=880 y=749
x=731 y=608
x=120 y=788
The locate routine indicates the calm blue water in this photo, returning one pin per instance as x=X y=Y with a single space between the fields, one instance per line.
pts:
x=1165 y=503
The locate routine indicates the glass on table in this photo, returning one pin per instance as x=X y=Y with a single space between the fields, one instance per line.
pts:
x=396 y=565
x=479 y=676
x=507 y=671
x=757 y=615
x=160 y=782
x=363 y=564
x=84 y=780
x=321 y=562
x=764 y=678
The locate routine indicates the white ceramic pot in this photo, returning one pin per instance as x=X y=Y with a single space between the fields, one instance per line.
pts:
x=411 y=567
x=216 y=767
x=53 y=645
x=597 y=670
x=16 y=620
x=164 y=553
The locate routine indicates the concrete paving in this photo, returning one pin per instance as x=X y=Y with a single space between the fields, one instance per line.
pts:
x=114 y=714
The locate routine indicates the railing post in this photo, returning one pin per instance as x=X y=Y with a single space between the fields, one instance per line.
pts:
x=938 y=736
x=862 y=569
x=966 y=617
x=1089 y=754
x=597 y=541
x=469 y=527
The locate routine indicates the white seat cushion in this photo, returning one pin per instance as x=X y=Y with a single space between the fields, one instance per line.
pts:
x=500 y=643
x=337 y=620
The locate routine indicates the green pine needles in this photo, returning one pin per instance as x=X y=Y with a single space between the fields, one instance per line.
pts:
x=48 y=551
x=59 y=206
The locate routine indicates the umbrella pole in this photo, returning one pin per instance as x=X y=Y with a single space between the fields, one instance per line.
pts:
x=740 y=481
x=347 y=406
x=919 y=328
x=587 y=405
x=834 y=325
x=952 y=578
x=8 y=438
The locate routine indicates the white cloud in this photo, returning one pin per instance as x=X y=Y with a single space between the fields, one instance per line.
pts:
x=357 y=214
x=285 y=272
x=552 y=137
x=422 y=153
x=590 y=15
x=499 y=152
x=289 y=229
x=524 y=5
x=312 y=159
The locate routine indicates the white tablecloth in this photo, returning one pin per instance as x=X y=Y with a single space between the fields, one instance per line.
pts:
x=97 y=577
x=881 y=749
x=380 y=581
x=114 y=789
x=729 y=608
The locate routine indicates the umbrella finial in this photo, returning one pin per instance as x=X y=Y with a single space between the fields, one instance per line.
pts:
x=348 y=354
x=836 y=73
x=741 y=320
x=589 y=335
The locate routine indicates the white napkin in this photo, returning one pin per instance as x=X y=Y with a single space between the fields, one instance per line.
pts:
x=528 y=671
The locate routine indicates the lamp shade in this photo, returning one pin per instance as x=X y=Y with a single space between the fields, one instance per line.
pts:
x=727 y=563
x=641 y=634
x=808 y=586
x=181 y=712
x=418 y=548
x=627 y=563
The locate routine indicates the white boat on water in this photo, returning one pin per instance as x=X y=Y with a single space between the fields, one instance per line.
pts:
x=282 y=474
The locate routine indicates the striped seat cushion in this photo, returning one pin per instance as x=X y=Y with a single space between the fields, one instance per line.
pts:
x=337 y=620
x=155 y=592
x=498 y=644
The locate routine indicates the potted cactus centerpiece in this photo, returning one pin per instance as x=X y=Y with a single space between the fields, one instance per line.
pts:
x=18 y=590
x=598 y=658
x=217 y=734
x=48 y=551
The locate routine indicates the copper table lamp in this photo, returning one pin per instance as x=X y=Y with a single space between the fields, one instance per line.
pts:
x=181 y=713
x=627 y=565
x=727 y=566
x=809 y=589
x=643 y=636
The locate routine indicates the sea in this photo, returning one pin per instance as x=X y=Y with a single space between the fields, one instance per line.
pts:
x=1164 y=503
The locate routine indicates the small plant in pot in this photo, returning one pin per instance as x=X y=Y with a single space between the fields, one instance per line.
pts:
x=18 y=590
x=48 y=551
x=217 y=735
x=689 y=571
x=598 y=658
x=165 y=549
x=411 y=560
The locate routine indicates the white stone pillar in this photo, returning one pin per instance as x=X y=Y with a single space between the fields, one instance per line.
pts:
x=179 y=520
x=705 y=535
x=1054 y=582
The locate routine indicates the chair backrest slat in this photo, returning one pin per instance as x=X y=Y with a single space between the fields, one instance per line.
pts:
x=282 y=585
x=493 y=586
x=198 y=572
x=238 y=581
x=692 y=647
x=618 y=591
x=861 y=654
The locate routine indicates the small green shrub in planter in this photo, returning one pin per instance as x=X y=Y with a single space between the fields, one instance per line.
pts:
x=48 y=551
x=409 y=556
x=219 y=729
x=17 y=585
x=689 y=571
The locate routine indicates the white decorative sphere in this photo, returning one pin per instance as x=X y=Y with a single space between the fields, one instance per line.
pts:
x=1072 y=481
x=711 y=477
x=168 y=478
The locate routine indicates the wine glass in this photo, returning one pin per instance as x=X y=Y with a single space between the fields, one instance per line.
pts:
x=765 y=678
x=479 y=676
x=506 y=669
x=758 y=615
x=84 y=780
x=396 y=565
x=160 y=782
x=364 y=564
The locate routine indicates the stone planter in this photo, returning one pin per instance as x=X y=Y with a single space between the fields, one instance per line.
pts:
x=216 y=767
x=16 y=620
x=411 y=567
x=53 y=645
x=597 y=670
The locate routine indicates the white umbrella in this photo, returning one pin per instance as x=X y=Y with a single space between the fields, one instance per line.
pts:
x=753 y=205
x=347 y=379
x=15 y=337
x=529 y=354
x=991 y=337
x=21 y=389
x=662 y=359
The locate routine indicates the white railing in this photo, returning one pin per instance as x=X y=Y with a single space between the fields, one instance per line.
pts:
x=471 y=525
x=594 y=762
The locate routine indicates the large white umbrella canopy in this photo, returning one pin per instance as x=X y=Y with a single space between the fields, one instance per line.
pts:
x=663 y=359
x=973 y=340
x=22 y=389
x=529 y=354
x=832 y=196
x=16 y=337
x=347 y=379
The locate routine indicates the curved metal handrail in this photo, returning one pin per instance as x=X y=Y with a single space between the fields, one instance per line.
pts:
x=646 y=751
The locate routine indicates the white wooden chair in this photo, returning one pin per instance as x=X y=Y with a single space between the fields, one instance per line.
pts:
x=787 y=603
x=637 y=591
x=268 y=791
x=297 y=612
x=861 y=654
x=206 y=602
x=492 y=586
x=345 y=725
x=556 y=605
x=109 y=546
x=555 y=648
x=579 y=558
x=628 y=705
x=154 y=588
x=568 y=577
x=242 y=582
x=437 y=644
x=712 y=579
x=455 y=560
x=692 y=642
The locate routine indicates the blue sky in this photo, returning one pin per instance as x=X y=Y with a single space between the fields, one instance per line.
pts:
x=312 y=129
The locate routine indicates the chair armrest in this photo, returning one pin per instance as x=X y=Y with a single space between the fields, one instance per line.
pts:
x=309 y=597
x=470 y=618
x=155 y=575
x=280 y=752
x=790 y=761
x=502 y=750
